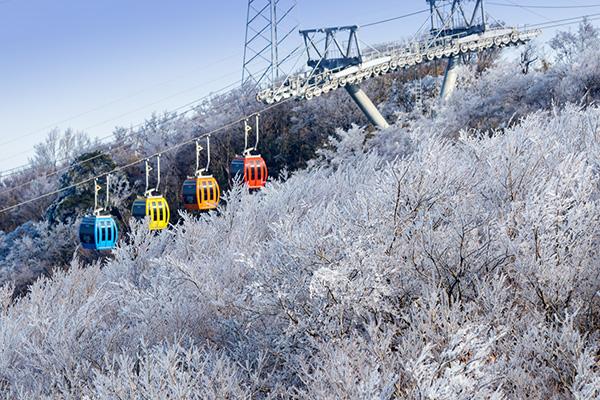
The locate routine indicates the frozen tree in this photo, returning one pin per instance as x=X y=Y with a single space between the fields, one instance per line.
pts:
x=401 y=265
x=528 y=57
x=569 y=45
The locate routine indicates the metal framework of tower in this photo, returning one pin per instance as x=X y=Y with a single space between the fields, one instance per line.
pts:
x=455 y=18
x=269 y=26
x=335 y=58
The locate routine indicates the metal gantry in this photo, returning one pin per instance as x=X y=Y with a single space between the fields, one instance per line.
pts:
x=457 y=29
x=340 y=50
x=455 y=18
x=269 y=26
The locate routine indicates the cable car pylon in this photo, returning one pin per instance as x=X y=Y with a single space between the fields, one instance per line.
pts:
x=456 y=31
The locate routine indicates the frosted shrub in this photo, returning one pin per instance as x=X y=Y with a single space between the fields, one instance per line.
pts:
x=441 y=269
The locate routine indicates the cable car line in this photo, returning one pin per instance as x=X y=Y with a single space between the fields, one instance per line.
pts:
x=231 y=85
x=571 y=23
x=543 y=7
x=159 y=101
x=549 y=23
x=573 y=19
x=132 y=163
x=131 y=112
x=577 y=18
x=529 y=10
x=394 y=18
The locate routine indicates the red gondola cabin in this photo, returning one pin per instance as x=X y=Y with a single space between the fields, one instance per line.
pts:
x=252 y=169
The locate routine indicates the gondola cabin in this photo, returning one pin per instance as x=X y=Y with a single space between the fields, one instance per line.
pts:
x=156 y=208
x=252 y=169
x=98 y=233
x=201 y=194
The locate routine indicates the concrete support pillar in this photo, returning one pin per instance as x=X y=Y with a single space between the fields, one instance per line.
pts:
x=450 y=78
x=367 y=106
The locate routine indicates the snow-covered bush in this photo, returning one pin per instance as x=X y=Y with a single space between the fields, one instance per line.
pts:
x=34 y=249
x=402 y=265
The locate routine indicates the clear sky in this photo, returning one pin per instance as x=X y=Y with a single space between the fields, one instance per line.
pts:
x=95 y=64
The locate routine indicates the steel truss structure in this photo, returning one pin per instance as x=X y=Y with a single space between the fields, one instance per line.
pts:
x=268 y=27
x=313 y=83
x=338 y=62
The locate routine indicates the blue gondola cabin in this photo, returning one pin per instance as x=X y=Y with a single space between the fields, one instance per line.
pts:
x=98 y=233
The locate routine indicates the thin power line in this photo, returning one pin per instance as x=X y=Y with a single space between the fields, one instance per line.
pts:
x=18 y=169
x=514 y=5
x=14 y=155
x=50 y=126
x=22 y=167
x=556 y=25
x=528 y=10
x=543 y=7
x=190 y=107
x=551 y=23
x=573 y=19
x=394 y=18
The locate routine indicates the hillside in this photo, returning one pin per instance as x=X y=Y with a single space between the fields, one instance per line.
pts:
x=452 y=256
x=462 y=269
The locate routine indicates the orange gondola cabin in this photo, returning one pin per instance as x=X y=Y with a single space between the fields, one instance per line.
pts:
x=250 y=168
x=201 y=192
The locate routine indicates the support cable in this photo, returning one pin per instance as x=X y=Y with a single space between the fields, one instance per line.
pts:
x=142 y=159
x=543 y=7
x=573 y=19
x=528 y=9
x=126 y=114
x=557 y=25
x=394 y=18
x=548 y=24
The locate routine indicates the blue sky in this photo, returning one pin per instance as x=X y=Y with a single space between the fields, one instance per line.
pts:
x=95 y=64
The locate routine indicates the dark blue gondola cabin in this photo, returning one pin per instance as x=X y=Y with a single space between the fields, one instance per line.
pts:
x=98 y=233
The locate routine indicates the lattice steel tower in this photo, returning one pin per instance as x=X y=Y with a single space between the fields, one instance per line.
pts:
x=269 y=26
x=457 y=17
x=336 y=60
x=453 y=19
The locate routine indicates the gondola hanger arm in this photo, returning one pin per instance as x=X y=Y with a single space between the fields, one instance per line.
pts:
x=201 y=171
x=247 y=129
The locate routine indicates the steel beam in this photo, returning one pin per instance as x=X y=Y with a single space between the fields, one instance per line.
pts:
x=269 y=25
x=307 y=86
x=366 y=105
x=450 y=78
